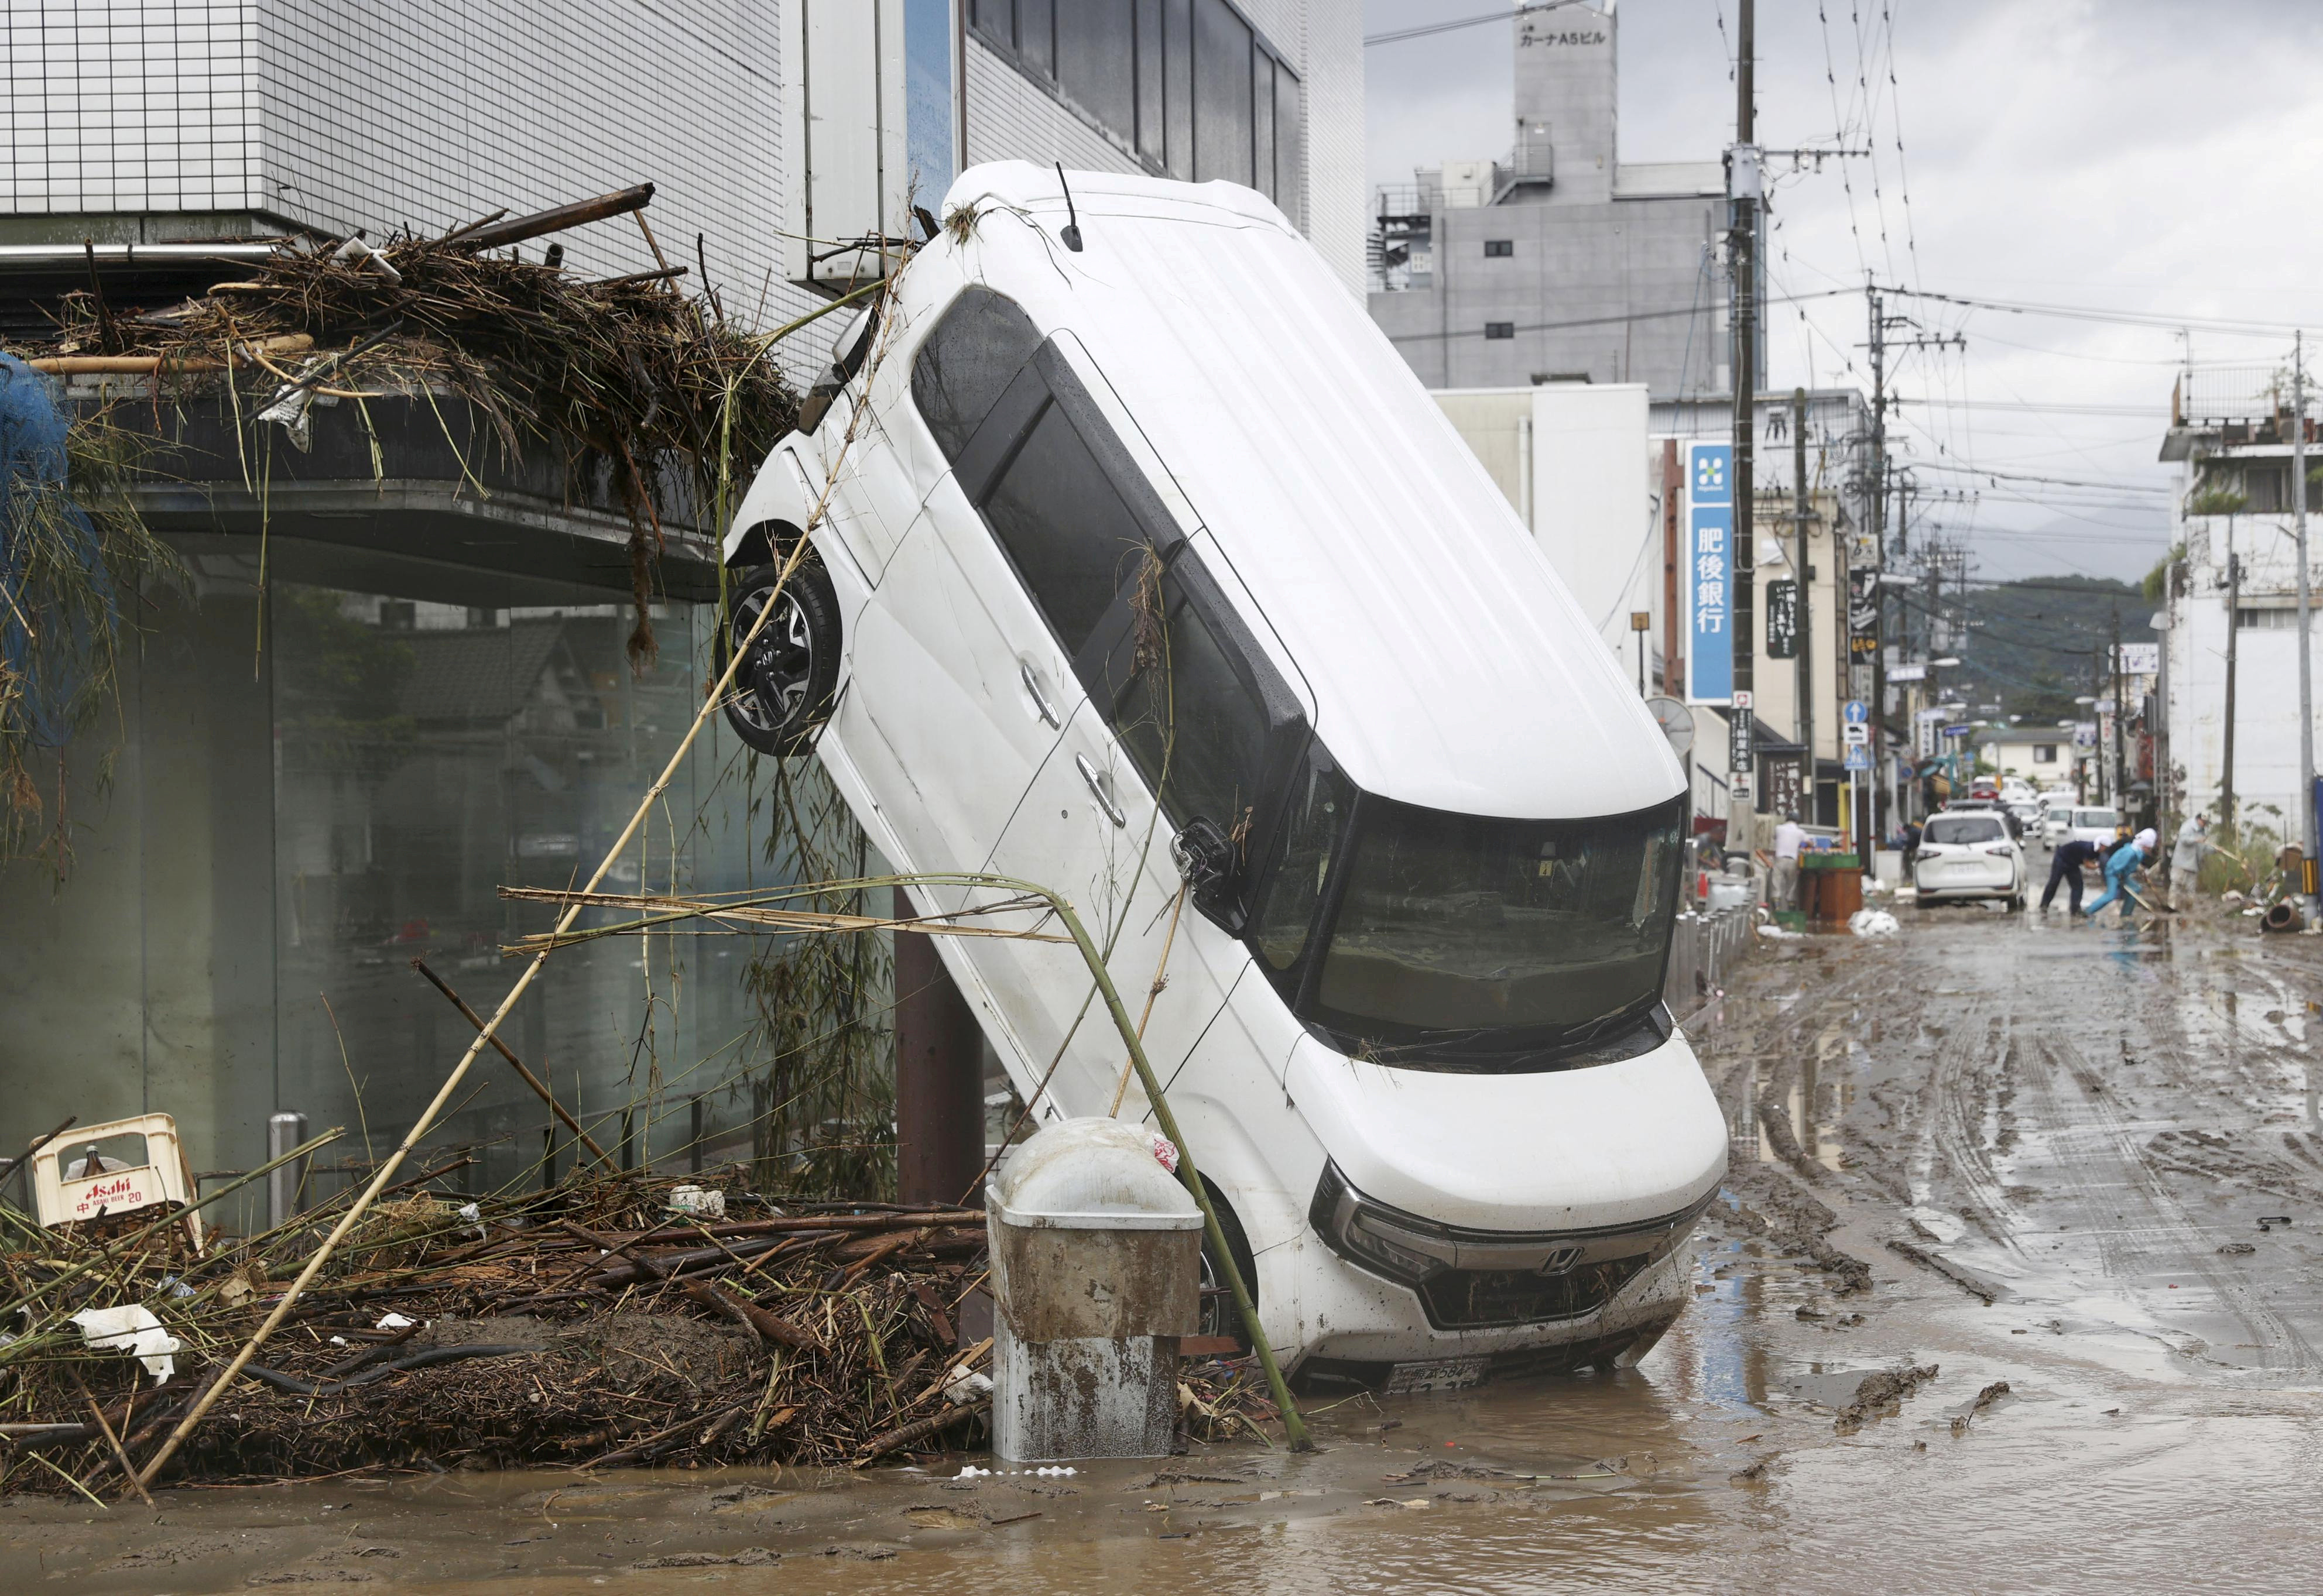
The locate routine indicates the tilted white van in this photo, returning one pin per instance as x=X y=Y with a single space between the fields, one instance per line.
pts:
x=1149 y=561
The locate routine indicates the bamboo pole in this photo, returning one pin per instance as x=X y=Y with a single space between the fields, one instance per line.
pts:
x=711 y=701
x=539 y=1086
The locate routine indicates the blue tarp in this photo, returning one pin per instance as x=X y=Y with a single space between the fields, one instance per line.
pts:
x=51 y=656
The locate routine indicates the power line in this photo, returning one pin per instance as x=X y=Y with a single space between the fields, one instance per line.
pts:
x=2127 y=318
x=1605 y=321
x=1427 y=30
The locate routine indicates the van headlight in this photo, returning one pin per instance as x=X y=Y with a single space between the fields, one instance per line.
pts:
x=1381 y=1240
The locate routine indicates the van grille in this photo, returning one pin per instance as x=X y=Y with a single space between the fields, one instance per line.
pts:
x=1477 y=1299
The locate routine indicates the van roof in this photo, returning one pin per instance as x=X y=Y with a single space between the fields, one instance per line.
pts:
x=1447 y=663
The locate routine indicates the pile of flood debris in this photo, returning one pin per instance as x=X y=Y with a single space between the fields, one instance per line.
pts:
x=633 y=382
x=626 y=1319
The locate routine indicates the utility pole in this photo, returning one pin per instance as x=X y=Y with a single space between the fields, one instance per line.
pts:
x=1743 y=188
x=2306 y=670
x=2120 y=719
x=2234 y=626
x=1804 y=678
x=1879 y=758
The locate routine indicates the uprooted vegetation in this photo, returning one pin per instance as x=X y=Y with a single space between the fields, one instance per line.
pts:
x=592 y=1324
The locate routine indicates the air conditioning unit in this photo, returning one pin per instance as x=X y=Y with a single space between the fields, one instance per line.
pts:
x=846 y=205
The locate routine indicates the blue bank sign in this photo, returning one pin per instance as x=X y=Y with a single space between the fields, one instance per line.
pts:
x=1709 y=573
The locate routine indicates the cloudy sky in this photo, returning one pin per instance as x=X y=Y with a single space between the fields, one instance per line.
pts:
x=2158 y=162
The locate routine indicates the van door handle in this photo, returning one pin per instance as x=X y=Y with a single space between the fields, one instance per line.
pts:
x=1094 y=779
x=1032 y=679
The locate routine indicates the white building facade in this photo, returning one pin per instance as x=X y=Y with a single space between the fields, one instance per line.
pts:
x=2230 y=429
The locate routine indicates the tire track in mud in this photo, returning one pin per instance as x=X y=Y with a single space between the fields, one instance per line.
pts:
x=2117 y=1170
x=1955 y=1102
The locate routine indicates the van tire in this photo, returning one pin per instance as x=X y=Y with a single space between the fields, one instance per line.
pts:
x=1217 y=1313
x=781 y=696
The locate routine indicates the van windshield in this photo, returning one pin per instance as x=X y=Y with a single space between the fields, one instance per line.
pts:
x=2097 y=819
x=1462 y=932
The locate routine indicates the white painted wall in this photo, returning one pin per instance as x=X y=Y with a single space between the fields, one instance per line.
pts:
x=1575 y=461
x=2266 y=709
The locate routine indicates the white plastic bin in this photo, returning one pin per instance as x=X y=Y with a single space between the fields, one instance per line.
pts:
x=1096 y=1273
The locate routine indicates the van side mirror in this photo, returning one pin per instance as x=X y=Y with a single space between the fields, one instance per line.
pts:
x=1205 y=858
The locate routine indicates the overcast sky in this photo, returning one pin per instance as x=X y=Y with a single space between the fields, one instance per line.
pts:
x=2107 y=155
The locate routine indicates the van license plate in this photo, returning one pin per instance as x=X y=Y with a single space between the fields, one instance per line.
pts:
x=1439 y=1374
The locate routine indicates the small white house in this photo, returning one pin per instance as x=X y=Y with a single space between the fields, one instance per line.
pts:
x=2041 y=754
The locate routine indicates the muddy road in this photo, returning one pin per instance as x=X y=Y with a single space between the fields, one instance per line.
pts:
x=2018 y=1286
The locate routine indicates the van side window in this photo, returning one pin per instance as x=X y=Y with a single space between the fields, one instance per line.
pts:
x=967 y=363
x=1196 y=726
x=1313 y=825
x=1072 y=540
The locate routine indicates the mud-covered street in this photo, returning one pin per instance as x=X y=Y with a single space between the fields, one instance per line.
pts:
x=2017 y=1280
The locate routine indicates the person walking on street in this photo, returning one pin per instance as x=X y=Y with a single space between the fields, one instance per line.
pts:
x=1789 y=836
x=2120 y=865
x=2186 y=858
x=2066 y=865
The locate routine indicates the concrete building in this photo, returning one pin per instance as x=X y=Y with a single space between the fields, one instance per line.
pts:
x=317 y=778
x=1559 y=263
x=2230 y=434
x=1582 y=465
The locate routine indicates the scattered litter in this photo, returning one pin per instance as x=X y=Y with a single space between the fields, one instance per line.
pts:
x=1873 y=922
x=2269 y=1221
x=393 y=1321
x=1046 y=1471
x=704 y=1203
x=1755 y=1473
x=967 y=1386
x=134 y=1330
x=1777 y=933
x=2238 y=1249
x=1165 y=1153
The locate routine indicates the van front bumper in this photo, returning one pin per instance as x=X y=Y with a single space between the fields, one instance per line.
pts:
x=1367 y=1330
x=1481 y=1279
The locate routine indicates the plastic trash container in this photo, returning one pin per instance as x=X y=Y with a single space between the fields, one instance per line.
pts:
x=1097 y=1254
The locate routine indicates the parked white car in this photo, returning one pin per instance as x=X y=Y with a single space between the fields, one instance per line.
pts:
x=2056 y=822
x=1968 y=853
x=1151 y=535
x=2093 y=825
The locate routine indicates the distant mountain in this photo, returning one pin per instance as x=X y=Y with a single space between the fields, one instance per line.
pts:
x=2036 y=645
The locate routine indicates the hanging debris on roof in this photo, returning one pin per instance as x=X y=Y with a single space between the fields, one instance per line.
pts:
x=626 y=379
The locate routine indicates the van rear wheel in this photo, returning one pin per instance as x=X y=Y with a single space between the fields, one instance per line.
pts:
x=781 y=692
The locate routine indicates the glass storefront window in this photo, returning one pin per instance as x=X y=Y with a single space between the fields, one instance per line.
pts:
x=299 y=809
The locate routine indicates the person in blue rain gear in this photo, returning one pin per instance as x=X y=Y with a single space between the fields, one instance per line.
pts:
x=2123 y=864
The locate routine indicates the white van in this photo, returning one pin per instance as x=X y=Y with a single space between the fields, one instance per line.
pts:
x=1153 y=548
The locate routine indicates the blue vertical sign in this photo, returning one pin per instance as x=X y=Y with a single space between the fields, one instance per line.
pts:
x=1709 y=573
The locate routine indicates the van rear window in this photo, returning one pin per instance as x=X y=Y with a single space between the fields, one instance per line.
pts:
x=967 y=363
x=1957 y=829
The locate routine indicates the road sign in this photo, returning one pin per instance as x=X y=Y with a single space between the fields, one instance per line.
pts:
x=1956 y=732
x=1859 y=757
x=1855 y=735
x=1856 y=713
